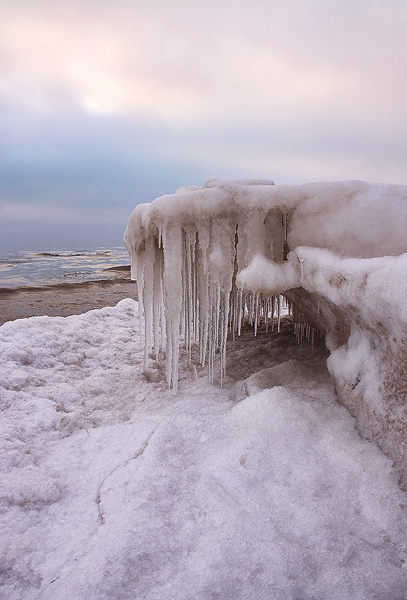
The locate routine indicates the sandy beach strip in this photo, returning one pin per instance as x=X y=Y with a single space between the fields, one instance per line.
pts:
x=63 y=300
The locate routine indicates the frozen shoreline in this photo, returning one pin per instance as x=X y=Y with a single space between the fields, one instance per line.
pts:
x=63 y=300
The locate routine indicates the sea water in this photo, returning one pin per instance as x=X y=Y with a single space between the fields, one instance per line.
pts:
x=32 y=269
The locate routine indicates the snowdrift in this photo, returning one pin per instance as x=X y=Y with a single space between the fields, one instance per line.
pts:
x=111 y=488
x=207 y=258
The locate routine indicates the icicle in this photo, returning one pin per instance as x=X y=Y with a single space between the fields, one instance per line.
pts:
x=172 y=278
x=224 y=333
x=279 y=313
x=157 y=295
x=148 y=298
x=241 y=312
x=188 y=290
x=232 y=315
x=256 y=313
x=267 y=310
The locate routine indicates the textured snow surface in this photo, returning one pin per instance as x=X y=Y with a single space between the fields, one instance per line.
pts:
x=112 y=487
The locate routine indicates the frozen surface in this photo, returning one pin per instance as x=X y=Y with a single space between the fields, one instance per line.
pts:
x=112 y=487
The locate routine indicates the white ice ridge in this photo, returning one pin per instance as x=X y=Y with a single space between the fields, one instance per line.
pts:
x=203 y=257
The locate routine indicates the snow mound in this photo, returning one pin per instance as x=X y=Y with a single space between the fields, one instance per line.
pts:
x=111 y=490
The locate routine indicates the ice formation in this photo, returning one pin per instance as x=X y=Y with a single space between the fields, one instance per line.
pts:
x=206 y=258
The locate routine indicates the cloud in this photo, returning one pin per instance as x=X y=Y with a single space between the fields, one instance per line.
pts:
x=58 y=214
x=109 y=104
x=36 y=226
x=183 y=61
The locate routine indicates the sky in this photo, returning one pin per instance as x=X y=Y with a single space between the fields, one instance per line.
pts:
x=108 y=104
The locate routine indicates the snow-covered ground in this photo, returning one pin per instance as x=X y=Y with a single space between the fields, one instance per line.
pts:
x=113 y=487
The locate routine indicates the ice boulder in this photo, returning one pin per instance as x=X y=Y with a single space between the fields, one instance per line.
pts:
x=206 y=258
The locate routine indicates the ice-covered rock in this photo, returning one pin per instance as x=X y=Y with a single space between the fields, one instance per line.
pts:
x=205 y=258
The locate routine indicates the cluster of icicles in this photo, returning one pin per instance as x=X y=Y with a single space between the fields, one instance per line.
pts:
x=187 y=291
x=303 y=329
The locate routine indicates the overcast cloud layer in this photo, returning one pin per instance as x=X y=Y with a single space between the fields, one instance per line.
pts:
x=108 y=104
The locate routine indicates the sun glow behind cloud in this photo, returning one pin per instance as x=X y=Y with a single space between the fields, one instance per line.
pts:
x=179 y=64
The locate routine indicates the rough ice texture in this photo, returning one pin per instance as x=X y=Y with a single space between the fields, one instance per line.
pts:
x=206 y=259
x=113 y=489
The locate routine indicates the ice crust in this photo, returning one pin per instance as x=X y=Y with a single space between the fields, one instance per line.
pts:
x=112 y=488
x=207 y=259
